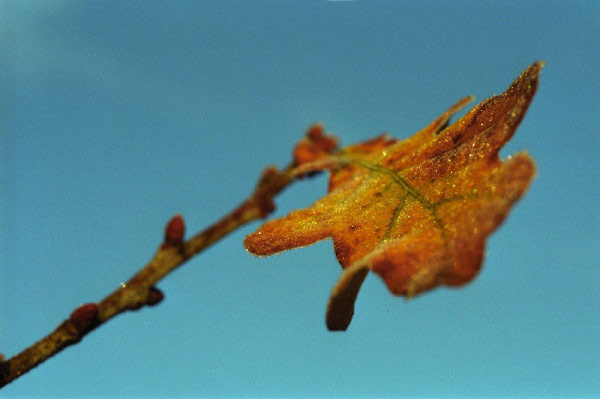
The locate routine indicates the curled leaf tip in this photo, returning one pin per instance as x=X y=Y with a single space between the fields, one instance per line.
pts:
x=174 y=232
x=340 y=307
x=85 y=316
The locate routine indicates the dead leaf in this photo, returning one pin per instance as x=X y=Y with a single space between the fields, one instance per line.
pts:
x=417 y=212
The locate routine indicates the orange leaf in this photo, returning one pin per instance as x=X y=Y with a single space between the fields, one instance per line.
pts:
x=417 y=212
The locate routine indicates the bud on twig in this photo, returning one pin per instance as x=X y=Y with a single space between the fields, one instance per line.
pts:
x=314 y=146
x=174 y=232
x=84 y=316
x=155 y=296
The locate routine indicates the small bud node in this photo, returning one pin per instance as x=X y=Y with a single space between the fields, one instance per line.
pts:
x=174 y=232
x=155 y=296
x=85 y=316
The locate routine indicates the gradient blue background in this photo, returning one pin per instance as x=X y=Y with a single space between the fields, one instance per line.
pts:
x=117 y=115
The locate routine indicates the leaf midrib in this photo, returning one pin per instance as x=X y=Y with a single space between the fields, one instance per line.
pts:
x=408 y=189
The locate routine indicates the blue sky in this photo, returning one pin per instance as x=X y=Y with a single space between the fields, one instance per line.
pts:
x=117 y=115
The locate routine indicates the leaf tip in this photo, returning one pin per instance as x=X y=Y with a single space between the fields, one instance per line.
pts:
x=527 y=81
x=255 y=245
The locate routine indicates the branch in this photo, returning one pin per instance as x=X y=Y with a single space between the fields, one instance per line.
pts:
x=140 y=290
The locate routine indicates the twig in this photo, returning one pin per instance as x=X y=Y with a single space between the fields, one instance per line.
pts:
x=140 y=289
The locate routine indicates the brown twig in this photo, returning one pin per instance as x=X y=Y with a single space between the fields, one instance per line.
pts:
x=140 y=289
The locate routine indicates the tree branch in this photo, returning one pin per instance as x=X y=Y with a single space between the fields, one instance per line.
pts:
x=140 y=289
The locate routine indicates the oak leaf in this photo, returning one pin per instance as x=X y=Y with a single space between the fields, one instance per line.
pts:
x=416 y=212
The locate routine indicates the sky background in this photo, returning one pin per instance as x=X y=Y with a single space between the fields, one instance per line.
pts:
x=117 y=115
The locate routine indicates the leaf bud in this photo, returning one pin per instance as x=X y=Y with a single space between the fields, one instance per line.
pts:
x=155 y=296
x=84 y=316
x=174 y=232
